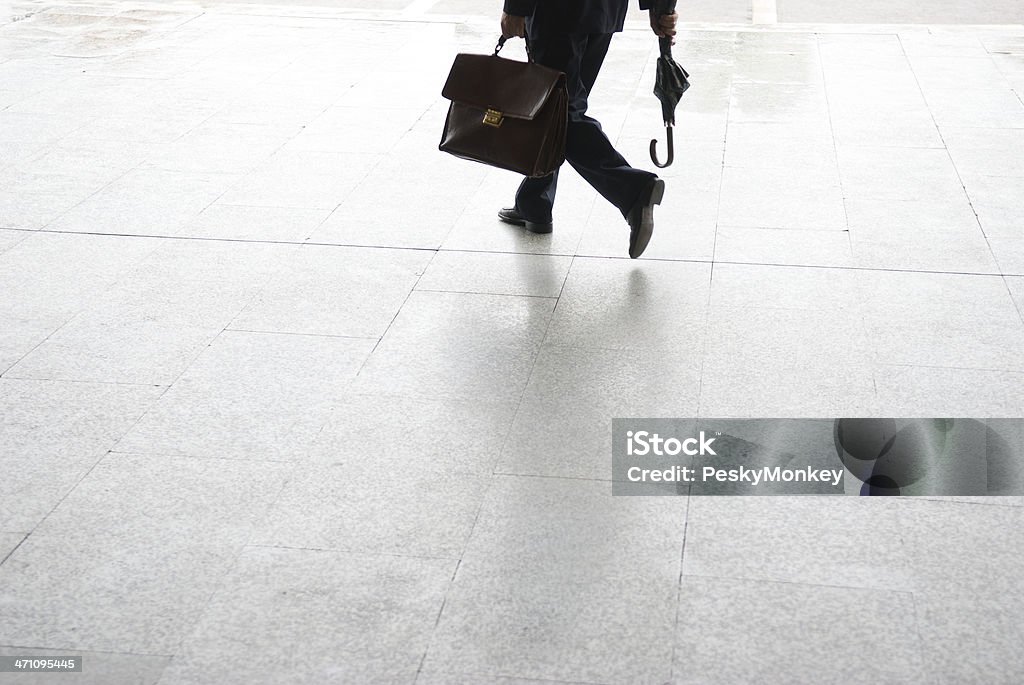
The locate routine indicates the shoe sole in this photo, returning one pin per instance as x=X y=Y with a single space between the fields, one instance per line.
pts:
x=530 y=226
x=646 y=229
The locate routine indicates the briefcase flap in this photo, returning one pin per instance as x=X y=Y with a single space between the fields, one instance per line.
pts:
x=515 y=89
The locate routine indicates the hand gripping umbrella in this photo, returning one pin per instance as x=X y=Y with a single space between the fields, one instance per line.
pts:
x=669 y=84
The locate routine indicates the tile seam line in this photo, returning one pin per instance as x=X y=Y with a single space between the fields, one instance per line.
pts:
x=87 y=651
x=351 y=552
x=299 y=333
x=195 y=457
x=835 y=147
x=711 y=261
x=190 y=626
x=488 y=293
x=511 y=676
x=87 y=382
x=24 y=536
x=679 y=582
x=774 y=581
x=714 y=246
x=394 y=318
x=959 y=176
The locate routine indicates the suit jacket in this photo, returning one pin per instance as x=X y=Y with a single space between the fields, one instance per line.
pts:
x=575 y=16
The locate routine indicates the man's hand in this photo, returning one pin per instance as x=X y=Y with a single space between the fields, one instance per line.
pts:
x=665 y=25
x=512 y=26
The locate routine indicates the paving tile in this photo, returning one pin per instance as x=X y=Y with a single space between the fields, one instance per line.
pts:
x=795 y=633
x=145 y=202
x=380 y=129
x=980 y=344
x=228 y=265
x=69 y=283
x=783 y=246
x=970 y=635
x=620 y=304
x=735 y=286
x=348 y=617
x=841 y=541
x=31 y=312
x=75 y=158
x=970 y=544
x=471 y=679
x=52 y=433
x=749 y=147
x=32 y=211
x=389 y=432
x=149 y=498
x=98 y=668
x=1009 y=252
x=417 y=509
x=933 y=297
x=335 y=291
x=969 y=610
x=986 y=151
x=274 y=188
x=761 y=101
x=458 y=346
x=37 y=128
x=8 y=542
x=144 y=296
x=887 y=173
x=881 y=126
x=977 y=107
x=137 y=595
x=564 y=422
x=233 y=222
x=780 y=362
x=259 y=396
x=496 y=273
x=106 y=351
x=992 y=197
x=1016 y=287
x=372 y=222
x=924 y=253
x=22 y=334
x=926 y=391
x=460 y=206
x=892 y=220
x=757 y=198
x=935 y=72
x=227 y=148
x=612 y=562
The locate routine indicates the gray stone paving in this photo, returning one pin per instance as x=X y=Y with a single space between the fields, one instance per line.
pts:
x=283 y=402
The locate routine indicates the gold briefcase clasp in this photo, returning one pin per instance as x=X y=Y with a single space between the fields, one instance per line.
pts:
x=493 y=117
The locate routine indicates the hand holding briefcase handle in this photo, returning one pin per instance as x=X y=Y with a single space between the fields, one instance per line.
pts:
x=507 y=114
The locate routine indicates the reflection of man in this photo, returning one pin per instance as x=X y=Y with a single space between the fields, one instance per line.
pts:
x=573 y=36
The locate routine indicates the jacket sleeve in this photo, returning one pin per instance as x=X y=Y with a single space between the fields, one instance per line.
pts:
x=646 y=4
x=520 y=8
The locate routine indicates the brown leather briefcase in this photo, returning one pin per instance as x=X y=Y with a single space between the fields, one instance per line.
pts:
x=505 y=113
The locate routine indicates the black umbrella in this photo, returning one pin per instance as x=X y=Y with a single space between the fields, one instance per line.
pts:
x=669 y=84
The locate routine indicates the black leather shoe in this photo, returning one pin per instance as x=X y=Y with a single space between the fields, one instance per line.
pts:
x=641 y=218
x=510 y=216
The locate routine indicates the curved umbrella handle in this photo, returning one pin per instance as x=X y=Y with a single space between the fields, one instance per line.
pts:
x=671 y=150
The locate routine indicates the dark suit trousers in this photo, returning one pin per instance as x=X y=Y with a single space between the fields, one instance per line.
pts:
x=587 y=148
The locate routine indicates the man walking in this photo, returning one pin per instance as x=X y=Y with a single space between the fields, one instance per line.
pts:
x=572 y=36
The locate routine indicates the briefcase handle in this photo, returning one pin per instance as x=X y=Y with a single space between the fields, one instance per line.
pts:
x=501 y=44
